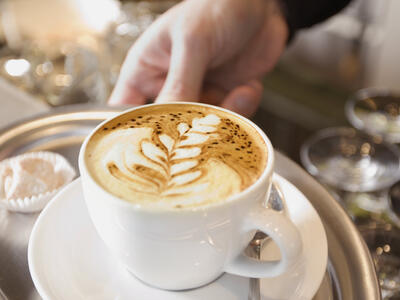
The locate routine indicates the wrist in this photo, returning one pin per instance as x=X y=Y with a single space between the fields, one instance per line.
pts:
x=282 y=6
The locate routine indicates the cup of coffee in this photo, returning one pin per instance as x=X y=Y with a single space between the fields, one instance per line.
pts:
x=177 y=190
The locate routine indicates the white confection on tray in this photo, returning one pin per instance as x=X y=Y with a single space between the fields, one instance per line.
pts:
x=28 y=181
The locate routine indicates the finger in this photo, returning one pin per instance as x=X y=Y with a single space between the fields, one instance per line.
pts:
x=141 y=76
x=137 y=81
x=244 y=99
x=212 y=94
x=124 y=94
x=185 y=75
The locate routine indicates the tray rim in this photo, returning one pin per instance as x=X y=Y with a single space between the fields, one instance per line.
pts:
x=59 y=112
x=366 y=278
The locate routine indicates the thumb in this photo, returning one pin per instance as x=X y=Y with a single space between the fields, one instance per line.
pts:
x=185 y=74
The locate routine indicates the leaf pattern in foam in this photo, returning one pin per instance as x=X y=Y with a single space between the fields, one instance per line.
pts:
x=179 y=156
x=182 y=128
x=167 y=141
x=193 y=139
x=183 y=166
x=153 y=152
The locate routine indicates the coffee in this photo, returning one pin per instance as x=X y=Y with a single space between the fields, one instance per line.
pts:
x=176 y=155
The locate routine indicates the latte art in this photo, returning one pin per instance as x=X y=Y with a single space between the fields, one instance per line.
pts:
x=164 y=168
x=175 y=157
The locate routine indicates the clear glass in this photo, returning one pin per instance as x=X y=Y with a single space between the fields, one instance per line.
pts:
x=383 y=241
x=367 y=202
x=350 y=160
x=377 y=112
x=68 y=75
x=79 y=58
x=365 y=208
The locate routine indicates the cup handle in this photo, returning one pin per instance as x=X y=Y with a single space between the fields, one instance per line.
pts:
x=284 y=233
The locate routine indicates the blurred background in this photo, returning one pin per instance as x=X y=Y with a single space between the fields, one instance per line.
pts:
x=60 y=52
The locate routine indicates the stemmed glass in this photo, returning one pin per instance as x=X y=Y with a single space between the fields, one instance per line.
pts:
x=362 y=167
x=356 y=167
x=377 y=112
x=351 y=160
x=362 y=164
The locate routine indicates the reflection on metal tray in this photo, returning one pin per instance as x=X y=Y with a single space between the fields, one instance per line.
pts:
x=62 y=131
x=350 y=274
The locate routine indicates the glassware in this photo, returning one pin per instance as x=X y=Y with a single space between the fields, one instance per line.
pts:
x=68 y=75
x=362 y=167
x=61 y=64
x=351 y=160
x=365 y=208
x=377 y=112
x=74 y=75
x=383 y=241
x=79 y=59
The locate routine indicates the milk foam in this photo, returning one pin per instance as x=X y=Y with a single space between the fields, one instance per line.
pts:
x=178 y=167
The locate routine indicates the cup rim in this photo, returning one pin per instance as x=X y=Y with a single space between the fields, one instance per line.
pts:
x=267 y=172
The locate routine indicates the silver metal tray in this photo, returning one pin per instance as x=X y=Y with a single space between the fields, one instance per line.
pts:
x=350 y=273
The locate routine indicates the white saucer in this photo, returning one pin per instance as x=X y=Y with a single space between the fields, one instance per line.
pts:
x=67 y=259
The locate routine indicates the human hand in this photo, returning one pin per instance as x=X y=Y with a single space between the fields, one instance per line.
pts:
x=214 y=51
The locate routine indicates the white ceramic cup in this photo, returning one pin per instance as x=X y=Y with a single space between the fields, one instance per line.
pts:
x=182 y=249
